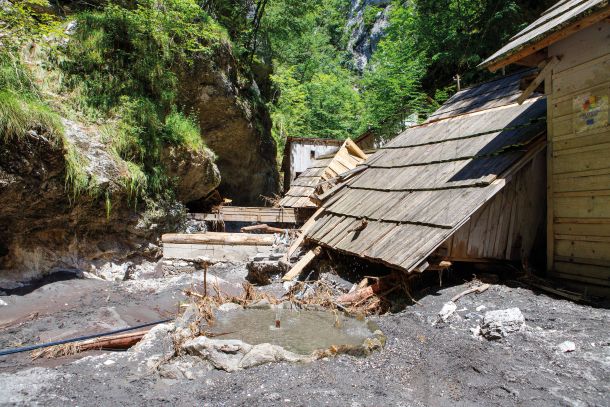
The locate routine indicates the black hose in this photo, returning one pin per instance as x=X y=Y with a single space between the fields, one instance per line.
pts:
x=80 y=338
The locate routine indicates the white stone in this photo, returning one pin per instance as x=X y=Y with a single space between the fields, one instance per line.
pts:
x=567 y=346
x=3 y=303
x=229 y=306
x=109 y=362
x=447 y=310
x=481 y=307
x=497 y=324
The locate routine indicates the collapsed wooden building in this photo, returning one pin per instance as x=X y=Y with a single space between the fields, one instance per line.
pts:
x=319 y=176
x=466 y=185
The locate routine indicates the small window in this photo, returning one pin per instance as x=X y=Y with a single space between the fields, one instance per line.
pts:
x=312 y=154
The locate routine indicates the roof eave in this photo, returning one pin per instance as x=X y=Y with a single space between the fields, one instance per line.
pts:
x=517 y=54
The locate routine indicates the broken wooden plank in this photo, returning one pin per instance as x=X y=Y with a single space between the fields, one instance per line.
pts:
x=547 y=67
x=264 y=228
x=298 y=268
x=478 y=289
x=219 y=238
x=251 y=214
x=303 y=232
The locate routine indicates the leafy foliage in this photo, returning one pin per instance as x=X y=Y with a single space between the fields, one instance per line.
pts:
x=125 y=63
x=22 y=21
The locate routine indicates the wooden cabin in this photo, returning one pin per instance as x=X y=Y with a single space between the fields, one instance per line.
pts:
x=300 y=153
x=319 y=176
x=569 y=45
x=466 y=185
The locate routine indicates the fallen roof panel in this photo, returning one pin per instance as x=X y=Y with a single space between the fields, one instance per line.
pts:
x=410 y=197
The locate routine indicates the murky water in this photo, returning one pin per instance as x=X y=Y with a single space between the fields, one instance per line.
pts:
x=300 y=331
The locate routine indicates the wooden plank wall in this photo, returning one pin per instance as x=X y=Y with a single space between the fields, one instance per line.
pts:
x=301 y=158
x=579 y=159
x=505 y=227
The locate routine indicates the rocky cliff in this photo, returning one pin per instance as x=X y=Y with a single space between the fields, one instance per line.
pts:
x=235 y=124
x=367 y=21
x=46 y=226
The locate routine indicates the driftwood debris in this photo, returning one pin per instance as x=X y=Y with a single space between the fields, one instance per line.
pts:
x=114 y=342
x=478 y=289
x=382 y=285
x=298 y=268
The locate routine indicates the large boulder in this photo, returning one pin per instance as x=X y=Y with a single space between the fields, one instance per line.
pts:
x=234 y=123
x=194 y=172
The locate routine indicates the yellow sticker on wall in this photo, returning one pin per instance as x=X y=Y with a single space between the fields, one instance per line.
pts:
x=591 y=112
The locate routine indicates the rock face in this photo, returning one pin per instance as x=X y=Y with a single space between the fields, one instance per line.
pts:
x=235 y=125
x=366 y=24
x=194 y=172
x=44 y=226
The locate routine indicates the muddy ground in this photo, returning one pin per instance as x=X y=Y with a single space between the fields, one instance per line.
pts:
x=422 y=364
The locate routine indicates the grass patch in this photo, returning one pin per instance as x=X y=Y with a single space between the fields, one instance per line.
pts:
x=18 y=115
x=123 y=65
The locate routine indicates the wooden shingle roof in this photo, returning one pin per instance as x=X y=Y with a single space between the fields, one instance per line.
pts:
x=324 y=168
x=559 y=21
x=418 y=189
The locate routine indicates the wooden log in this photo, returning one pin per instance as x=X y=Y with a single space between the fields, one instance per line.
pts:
x=124 y=341
x=298 y=268
x=381 y=285
x=219 y=238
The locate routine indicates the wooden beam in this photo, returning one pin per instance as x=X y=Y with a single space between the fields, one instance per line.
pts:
x=265 y=229
x=550 y=39
x=534 y=59
x=304 y=230
x=298 y=268
x=547 y=67
x=251 y=214
x=231 y=239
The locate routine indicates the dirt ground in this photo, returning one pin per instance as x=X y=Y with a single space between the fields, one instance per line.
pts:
x=422 y=364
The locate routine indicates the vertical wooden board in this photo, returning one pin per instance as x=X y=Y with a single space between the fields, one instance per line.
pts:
x=550 y=206
x=478 y=224
x=459 y=243
x=583 y=250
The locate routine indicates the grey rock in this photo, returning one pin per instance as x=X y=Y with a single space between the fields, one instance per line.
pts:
x=263 y=272
x=231 y=355
x=260 y=304
x=497 y=324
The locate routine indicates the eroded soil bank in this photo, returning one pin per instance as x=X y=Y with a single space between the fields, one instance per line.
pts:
x=424 y=362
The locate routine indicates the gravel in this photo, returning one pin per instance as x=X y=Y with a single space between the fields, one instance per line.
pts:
x=426 y=362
